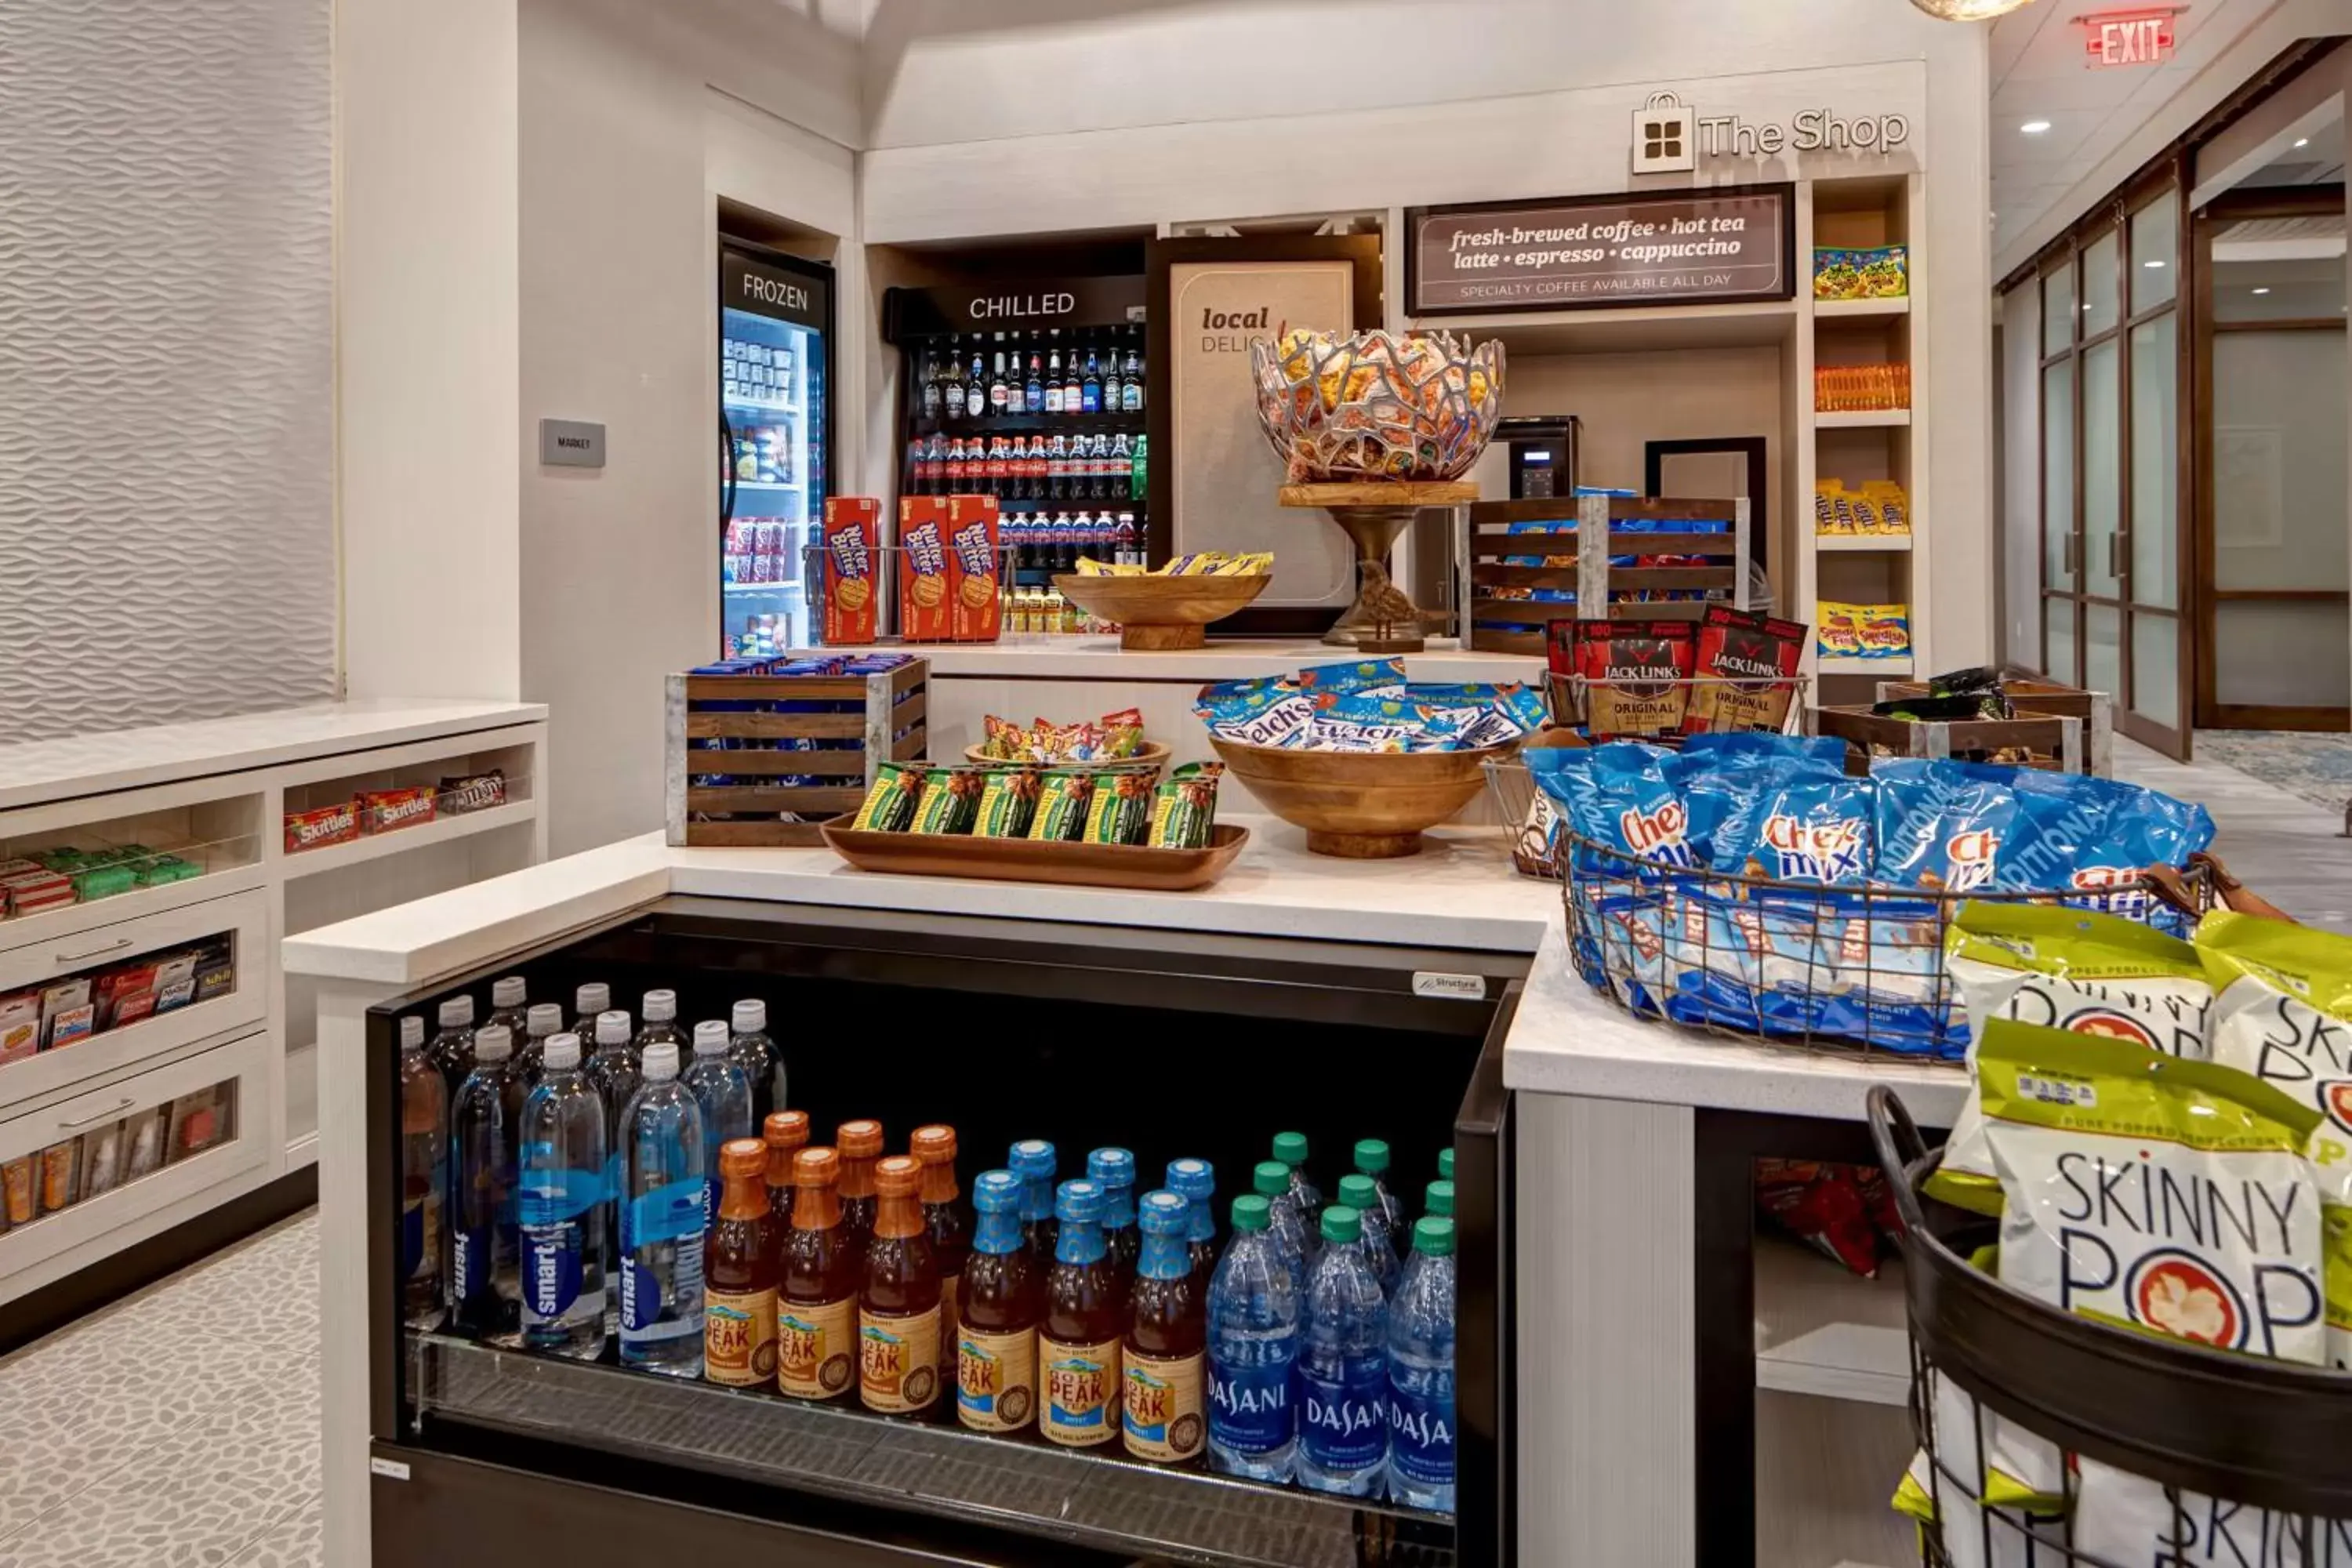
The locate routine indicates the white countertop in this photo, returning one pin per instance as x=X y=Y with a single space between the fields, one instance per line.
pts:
x=1460 y=893
x=1101 y=658
x=40 y=770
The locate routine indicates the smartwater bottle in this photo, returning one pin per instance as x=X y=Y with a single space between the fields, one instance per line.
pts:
x=1252 y=1349
x=562 y=1207
x=661 y=1222
x=484 y=1289
x=1421 y=1373
x=1343 y=1367
x=762 y=1059
x=724 y=1094
x=424 y=1178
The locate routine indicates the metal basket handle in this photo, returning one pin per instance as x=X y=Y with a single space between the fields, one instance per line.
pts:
x=1896 y=1138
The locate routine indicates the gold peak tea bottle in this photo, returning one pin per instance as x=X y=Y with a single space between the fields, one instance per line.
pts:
x=943 y=1217
x=1165 y=1419
x=816 y=1313
x=786 y=1134
x=996 y=1345
x=1078 y=1348
x=741 y=1267
x=899 y=1309
x=860 y=1143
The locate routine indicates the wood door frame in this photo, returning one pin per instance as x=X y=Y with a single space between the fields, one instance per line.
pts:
x=2210 y=711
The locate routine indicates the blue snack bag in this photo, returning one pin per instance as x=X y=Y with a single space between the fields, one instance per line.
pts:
x=1814 y=827
x=1823 y=751
x=1380 y=675
x=2148 y=828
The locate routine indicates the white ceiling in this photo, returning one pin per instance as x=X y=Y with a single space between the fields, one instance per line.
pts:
x=2041 y=69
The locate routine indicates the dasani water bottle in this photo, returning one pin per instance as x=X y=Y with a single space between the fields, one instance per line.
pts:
x=1343 y=1372
x=1252 y=1349
x=1421 y=1372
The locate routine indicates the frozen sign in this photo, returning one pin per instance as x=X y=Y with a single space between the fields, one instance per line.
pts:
x=1685 y=248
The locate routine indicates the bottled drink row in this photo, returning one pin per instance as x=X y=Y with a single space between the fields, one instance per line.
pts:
x=1053 y=541
x=565 y=1193
x=1105 y=466
x=976 y=375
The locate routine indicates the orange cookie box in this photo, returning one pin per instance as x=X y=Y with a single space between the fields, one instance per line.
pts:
x=852 y=531
x=924 y=613
x=974 y=594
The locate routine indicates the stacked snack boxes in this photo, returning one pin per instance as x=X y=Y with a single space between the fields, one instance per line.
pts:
x=974 y=592
x=852 y=546
x=951 y=587
x=1880 y=507
x=925 y=614
x=1875 y=272
x=53 y=878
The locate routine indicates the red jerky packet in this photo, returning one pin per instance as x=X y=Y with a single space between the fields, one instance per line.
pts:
x=1741 y=649
x=1632 y=674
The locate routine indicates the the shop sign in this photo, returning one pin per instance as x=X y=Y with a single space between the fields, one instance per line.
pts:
x=1683 y=248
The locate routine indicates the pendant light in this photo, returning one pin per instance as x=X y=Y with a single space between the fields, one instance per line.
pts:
x=1969 y=10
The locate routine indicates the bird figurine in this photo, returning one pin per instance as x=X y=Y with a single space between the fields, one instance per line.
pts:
x=1392 y=612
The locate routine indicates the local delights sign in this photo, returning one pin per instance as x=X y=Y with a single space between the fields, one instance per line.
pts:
x=1679 y=248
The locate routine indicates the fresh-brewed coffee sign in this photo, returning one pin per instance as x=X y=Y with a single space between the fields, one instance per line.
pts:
x=1688 y=248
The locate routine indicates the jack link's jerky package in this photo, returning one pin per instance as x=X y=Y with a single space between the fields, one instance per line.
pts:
x=2062 y=969
x=2283 y=1011
x=2167 y=1196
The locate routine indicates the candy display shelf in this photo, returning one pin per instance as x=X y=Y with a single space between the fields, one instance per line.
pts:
x=1861 y=309
x=1860 y=544
x=1861 y=418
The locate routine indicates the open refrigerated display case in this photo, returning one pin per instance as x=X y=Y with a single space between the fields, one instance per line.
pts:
x=1168 y=1043
x=775 y=331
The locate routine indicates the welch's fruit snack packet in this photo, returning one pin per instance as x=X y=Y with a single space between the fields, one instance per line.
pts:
x=2062 y=969
x=2283 y=1012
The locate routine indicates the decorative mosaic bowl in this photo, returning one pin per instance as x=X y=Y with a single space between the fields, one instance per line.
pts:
x=1376 y=405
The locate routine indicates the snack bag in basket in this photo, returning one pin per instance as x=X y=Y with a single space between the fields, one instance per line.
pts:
x=1632 y=809
x=1746 y=664
x=2145 y=828
x=2062 y=969
x=1634 y=673
x=1810 y=826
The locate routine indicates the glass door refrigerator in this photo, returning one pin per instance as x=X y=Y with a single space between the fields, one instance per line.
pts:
x=775 y=412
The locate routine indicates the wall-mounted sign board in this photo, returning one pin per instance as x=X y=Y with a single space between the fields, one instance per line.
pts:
x=571 y=443
x=1686 y=247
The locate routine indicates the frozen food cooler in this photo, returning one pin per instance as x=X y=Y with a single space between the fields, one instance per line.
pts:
x=1168 y=1043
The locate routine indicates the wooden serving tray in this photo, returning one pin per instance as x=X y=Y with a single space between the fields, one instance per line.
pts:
x=1040 y=861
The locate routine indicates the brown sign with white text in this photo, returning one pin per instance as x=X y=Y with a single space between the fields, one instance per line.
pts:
x=1680 y=249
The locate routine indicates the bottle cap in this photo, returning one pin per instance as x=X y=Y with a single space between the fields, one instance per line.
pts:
x=748 y=1017
x=786 y=1129
x=660 y=1063
x=1195 y=1179
x=1342 y=1224
x=996 y=1192
x=592 y=999
x=543 y=1019
x=1438 y=1199
x=411 y=1032
x=710 y=1039
x=1032 y=1158
x=562 y=1052
x=1111 y=1168
x=1434 y=1235
x=1252 y=1213
x=1446 y=1164
x=1271 y=1177
x=1077 y=1202
x=742 y=1157
x=1358 y=1193
x=1162 y=1213
x=859 y=1140
x=458 y=1012
x=612 y=1029
x=660 y=1006
x=493 y=1043
x=816 y=1167
x=932 y=1145
x=899 y=1176
x=507 y=992
x=1371 y=1155
x=1290 y=1148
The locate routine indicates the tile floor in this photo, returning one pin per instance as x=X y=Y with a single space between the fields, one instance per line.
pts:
x=179 y=1428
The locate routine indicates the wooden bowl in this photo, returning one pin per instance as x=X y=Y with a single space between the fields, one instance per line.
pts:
x=1154 y=754
x=1161 y=613
x=1361 y=806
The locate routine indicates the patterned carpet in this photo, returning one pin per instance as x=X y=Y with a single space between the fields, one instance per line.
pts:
x=2316 y=767
x=178 y=1426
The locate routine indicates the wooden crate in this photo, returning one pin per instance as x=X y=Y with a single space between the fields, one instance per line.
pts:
x=2096 y=709
x=2053 y=741
x=706 y=707
x=1577 y=551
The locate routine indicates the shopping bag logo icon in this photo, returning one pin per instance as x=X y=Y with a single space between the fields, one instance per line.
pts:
x=1664 y=136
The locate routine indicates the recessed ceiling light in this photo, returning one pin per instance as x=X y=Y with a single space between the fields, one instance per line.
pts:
x=2154 y=264
x=2305 y=143
x=2262 y=291
x=2034 y=126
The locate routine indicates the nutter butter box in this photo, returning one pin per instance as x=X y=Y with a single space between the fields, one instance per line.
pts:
x=925 y=614
x=973 y=590
x=852 y=531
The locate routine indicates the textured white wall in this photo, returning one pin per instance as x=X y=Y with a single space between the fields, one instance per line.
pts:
x=167 y=544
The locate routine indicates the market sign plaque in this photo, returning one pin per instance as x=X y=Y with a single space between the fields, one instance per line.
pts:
x=1585 y=253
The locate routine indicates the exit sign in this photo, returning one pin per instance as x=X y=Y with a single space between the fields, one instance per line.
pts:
x=2141 y=38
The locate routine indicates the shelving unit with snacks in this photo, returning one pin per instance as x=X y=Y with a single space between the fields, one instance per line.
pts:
x=1861 y=456
x=156 y=1062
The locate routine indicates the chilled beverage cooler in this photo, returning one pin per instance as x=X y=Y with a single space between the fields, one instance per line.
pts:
x=882 y=1238
x=775 y=327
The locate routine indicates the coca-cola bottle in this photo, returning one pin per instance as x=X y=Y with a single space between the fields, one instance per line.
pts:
x=951 y=468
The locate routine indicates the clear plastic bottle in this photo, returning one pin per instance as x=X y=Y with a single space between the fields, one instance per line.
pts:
x=1113 y=1169
x=1437 y=1200
x=1356 y=1192
x=485 y=1288
x=756 y=1052
x=1253 y=1307
x=1270 y=1181
x=1372 y=1160
x=1343 y=1367
x=1421 y=1372
x=562 y=1213
x=661 y=1023
x=424 y=1178
x=1195 y=1181
x=724 y=1094
x=589 y=1003
x=661 y=1222
x=1290 y=1148
x=509 y=996
x=452 y=1050
x=613 y=1072
x=540 y=1023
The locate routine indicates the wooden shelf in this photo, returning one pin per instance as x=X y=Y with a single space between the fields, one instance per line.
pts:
x=1825 y=1331
x=375 y=845
x=1863 y=543
x=1863 y=419
x=1861 y=309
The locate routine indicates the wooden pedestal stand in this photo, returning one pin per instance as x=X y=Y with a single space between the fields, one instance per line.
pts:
x=1373 y=512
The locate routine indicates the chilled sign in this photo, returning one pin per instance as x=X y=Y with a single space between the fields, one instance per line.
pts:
x=2128 y=37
